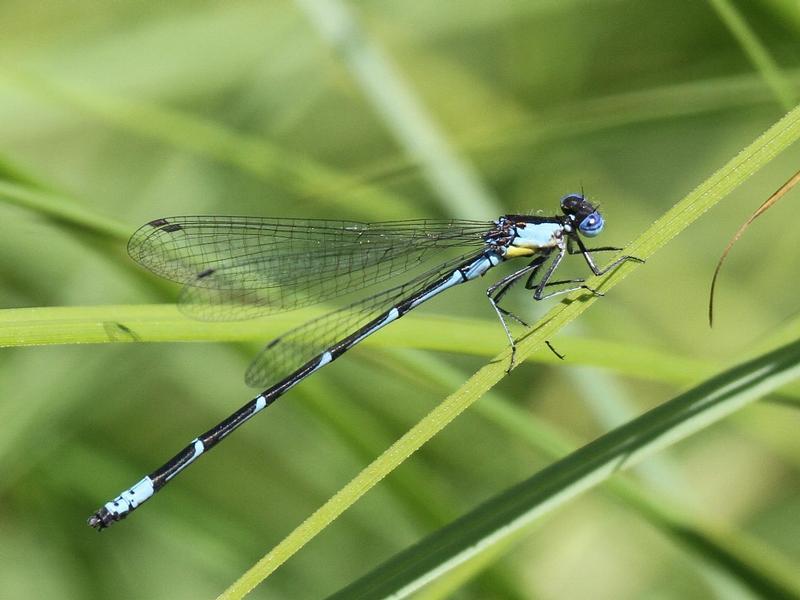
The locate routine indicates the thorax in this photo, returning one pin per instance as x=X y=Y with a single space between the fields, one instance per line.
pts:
x=525 y=236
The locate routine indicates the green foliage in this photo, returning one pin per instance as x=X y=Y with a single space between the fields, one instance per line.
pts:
x=505 y=517
x=116 y=114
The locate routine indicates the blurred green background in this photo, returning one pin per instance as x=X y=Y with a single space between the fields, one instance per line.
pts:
x=371 y=110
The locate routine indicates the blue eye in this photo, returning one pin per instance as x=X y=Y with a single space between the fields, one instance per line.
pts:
x=591 y=225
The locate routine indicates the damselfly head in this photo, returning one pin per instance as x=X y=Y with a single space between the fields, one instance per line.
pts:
x=582 y=212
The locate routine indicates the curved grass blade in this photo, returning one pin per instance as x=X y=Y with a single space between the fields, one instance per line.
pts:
x=22 y=327
x=768 y=203
x=665 y=513
x=397 y=104
x=63 y=211
x=104 y=235
x=578 y=119
x=256 y=156
x=506 y=517
x=760 y=152
x=55 y=325
x=756 y=51
x=13 y=172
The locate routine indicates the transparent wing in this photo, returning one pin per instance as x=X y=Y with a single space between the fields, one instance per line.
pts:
x=242 y=267
x=286 y=354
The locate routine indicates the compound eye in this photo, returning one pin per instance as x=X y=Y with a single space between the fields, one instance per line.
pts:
x=591 y=225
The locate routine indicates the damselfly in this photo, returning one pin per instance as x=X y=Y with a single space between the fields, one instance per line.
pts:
x=242 y=267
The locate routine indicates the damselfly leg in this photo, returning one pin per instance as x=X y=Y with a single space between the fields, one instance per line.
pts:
x=586 y=252
x=496 y=292
x=582 y=249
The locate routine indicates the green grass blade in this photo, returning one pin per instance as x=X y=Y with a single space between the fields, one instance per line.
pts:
x=253 y=155
x=752 y=564
x=20 y=327
x=158 y=323
x=756 y=52
x=737 y=555
x=64 y=212
x=456 y=183
x=11 y=171
x=108 y=237
x=507 y=516
x=596 y=114
x=777 y=138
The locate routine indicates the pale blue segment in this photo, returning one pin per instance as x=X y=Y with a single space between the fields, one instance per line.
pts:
x=131 y=498
x=323 y=360
x=261 y=403
x=476 y=269
x=455 y=279
x=543 y=235
x=391 y=316
x=326 y=358
x=199 y=448
x=479 y=267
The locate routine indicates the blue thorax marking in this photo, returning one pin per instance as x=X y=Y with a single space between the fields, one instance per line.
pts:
x=538 y=235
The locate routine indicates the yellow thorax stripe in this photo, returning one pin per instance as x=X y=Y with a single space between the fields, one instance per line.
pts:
x=516 y=252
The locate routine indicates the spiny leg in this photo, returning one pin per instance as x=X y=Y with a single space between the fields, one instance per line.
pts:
x=532 y=284
x=569 y=248
x=506 y=283
x=502 y=288
x=496 y=292
x=572 y=250
x=539 y=294
x=588 y=257
x=554 y=351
